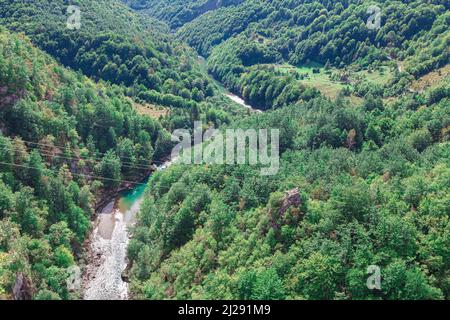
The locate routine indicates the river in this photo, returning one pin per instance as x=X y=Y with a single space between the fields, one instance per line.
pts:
x=107 y=251
x=107 y=248
x=240 y=101
x=223 y=89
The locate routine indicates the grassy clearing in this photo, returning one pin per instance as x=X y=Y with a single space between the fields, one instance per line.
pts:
x=325 y=85
x=151 y=110
x=315 y=75
x=431 y=80
x=380 y=77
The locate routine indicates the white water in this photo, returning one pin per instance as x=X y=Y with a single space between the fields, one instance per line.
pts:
x=239 y=100
x=108 y=250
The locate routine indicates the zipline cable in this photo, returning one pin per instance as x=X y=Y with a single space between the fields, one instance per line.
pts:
x=76 y=174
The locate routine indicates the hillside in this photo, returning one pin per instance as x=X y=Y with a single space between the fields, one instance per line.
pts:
x=371 y=187
x=364 y=119
x=412 y=41
x=177 y=13
x=65 y=142
x=116 y=45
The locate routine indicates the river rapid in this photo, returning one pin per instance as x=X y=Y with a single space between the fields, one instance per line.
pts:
x=107 y=247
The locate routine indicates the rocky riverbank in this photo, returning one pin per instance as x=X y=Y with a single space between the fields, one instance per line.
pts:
x=106 y=248
x=106 y=256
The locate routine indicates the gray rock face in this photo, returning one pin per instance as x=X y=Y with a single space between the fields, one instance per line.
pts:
x=22 y=288
x=292 y=199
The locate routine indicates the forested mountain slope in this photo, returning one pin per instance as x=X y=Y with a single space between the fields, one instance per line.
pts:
x=243 y=41
x=366 y=186
x=135 y=53
x=65 y=141
x=364 y=175
x=178 y=12
x=114 y=44
x=325 y=30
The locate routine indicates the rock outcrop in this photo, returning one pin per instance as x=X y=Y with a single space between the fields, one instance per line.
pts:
x=292 y=199
x=22 y=288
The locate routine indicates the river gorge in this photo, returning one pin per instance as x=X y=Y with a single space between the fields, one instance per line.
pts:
x=107 y=246
x=106 y=249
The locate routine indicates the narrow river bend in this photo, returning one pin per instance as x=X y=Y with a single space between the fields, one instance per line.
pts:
x=225 y=91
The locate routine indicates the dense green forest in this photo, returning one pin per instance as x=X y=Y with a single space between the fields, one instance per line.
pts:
x=178 y=12
x=115 y=45
x=368 y=168
x=330 y=33
x=373 y=189
x=65 y=141
x=364 y=173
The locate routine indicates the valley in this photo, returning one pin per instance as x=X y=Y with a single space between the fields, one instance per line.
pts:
x=86 y=123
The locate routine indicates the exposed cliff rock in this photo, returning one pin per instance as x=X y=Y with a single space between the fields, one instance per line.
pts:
x=292 y=199
x=23 y=289
x=279 y=206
